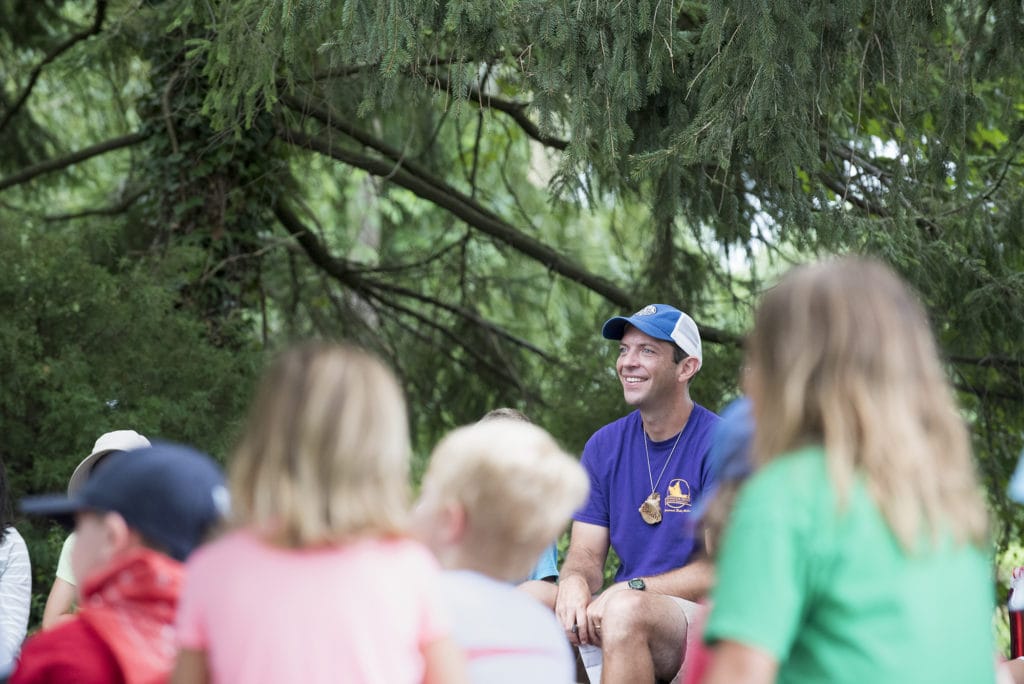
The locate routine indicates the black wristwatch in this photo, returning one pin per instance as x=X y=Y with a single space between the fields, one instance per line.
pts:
x=637 y=583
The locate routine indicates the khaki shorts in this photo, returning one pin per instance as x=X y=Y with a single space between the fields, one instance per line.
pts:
x=593 y=660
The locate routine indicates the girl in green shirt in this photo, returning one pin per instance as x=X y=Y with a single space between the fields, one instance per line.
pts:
x=857 y=552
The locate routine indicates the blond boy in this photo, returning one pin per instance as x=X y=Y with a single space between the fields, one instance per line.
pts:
x=495 y=495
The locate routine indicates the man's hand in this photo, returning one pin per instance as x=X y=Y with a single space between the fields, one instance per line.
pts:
x=571 y=609
x=595 y=611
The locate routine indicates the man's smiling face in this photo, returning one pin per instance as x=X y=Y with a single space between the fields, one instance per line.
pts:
x=646 y=369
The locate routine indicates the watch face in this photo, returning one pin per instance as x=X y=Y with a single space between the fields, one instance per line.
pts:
x=637 y=584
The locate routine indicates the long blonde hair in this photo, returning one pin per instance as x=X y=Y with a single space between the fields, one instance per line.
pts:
x=325 y=456
x=842 y=355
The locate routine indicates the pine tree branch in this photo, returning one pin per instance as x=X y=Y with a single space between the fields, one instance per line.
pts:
x=346 y=70
x=462 y=206
x=465 y=208
x=498 y=371
x=884 y=178
x=342 y=125
x=515 y=110
x=112 y=210
x=348 y=275
x=988 y=393
x=990 y=361
x=97 y=25
x=842 y=190
x=25 y=175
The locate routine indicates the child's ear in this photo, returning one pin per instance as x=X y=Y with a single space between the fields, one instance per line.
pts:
x=453 y=522
x=120 y=536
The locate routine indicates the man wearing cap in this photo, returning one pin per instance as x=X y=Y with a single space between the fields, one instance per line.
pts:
x=646 y=471
x=136 y=520
x=61 y=600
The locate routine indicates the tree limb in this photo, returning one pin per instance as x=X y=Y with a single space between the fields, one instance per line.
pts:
x=328 y=118
x=348 y=275
x=112 y=210
x=97 y=25
x=466 y=209
x=990 y=361
x=498 y=371
x=49 y=165
x=515 y=110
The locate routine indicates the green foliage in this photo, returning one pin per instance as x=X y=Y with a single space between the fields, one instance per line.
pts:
x=90 y=342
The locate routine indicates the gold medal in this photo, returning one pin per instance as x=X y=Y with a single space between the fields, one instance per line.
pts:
x=650 y=510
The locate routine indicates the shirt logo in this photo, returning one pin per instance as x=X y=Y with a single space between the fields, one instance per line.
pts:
x=648 y=310
x=678 y=496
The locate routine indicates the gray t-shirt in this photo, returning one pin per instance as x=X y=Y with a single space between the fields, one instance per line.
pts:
x=507 y=635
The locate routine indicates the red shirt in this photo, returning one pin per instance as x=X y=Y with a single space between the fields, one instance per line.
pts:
x=124 y=629
x=70 y=653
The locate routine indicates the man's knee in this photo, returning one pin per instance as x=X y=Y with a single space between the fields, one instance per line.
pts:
x=625 y=615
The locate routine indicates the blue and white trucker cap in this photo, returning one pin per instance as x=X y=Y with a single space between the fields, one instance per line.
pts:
x=662 y=322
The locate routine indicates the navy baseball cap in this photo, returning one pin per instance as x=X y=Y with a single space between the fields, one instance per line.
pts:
x=662 y=322
x=171 y=494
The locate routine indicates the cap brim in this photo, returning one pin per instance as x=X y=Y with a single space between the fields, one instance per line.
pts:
x=614 y=328
x=55 y=506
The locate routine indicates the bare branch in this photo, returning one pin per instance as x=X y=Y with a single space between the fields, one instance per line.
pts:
x=986 y=393
x=1006 y=363
x=465 y=208
x=515 y=110
x=349 y=275
x=97 y=25
x=112 y=210
x=842 y=190
x=498 y=371
x=49 y=165
x=362 y=137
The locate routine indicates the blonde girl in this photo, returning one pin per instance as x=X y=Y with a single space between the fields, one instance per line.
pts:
x=317 y=582
x=857 y=552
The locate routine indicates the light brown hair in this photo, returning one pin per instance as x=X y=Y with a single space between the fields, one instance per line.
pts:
x=325 y=456
x=842 y=355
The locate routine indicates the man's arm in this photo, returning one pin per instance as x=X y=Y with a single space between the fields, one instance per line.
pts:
x=582 y=575
x=692 y=581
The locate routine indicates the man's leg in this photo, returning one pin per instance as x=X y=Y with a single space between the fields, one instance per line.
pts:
x=695 y=613
x=642 y=636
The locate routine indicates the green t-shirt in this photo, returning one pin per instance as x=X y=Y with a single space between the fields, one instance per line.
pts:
x=833 y=597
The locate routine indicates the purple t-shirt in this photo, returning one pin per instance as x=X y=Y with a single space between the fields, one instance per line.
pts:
x=619 y=482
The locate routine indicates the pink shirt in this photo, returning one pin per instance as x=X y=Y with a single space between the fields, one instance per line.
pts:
x=362 y=612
